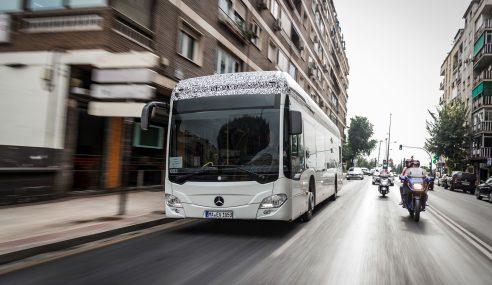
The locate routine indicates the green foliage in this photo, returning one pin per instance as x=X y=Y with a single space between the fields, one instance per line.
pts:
x=449 y=135
x=359 y=140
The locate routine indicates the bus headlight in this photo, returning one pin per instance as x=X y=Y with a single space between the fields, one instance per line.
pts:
x=173 y=201
x=274 y=201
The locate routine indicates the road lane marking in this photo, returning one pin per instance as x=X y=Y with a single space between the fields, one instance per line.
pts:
x=482 y=246
x=32 y=261
x=286 y=245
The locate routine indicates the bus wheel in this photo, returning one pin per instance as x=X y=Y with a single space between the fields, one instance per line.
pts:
x=311 y=202
x=334 y=196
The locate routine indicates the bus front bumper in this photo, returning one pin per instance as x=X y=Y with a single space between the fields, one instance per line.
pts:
x=245 y=212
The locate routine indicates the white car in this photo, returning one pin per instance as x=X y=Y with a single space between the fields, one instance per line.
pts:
x=355 y=172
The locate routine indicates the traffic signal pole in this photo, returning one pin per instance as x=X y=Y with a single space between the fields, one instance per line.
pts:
x=416 y=147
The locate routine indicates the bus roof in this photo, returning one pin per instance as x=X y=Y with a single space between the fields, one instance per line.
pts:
x=257 y=82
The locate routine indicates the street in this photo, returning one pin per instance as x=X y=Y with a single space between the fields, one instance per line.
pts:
x=361 y=238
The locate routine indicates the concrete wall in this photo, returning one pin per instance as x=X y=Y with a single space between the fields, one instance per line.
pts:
x=32 y=108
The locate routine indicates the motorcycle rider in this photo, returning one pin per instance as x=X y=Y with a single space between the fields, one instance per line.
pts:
x=414 y=171
x=408 y=164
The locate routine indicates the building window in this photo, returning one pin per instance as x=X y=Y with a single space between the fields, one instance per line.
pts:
x=256 y=39
x=285 y=23
x=226 y=63
x=139 y=11
x=292 y=70
x=11 y=5
x=87 y=3
x=272 y=51
x=274 y=8
x=187 y=46
x=283 y=62
x=152 y=138
x=45 y=4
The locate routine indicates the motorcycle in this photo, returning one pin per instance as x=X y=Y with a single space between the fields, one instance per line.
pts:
x=384 y=184
x=417 y=194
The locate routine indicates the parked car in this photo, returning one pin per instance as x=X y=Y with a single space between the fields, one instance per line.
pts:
x=464 y=181
x=355 y=172
x=484 y=190
x=366 y=171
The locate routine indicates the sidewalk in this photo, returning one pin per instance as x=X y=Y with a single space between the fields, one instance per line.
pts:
x=27 y=230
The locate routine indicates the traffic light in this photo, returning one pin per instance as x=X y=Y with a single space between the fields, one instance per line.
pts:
x=435 y=158
x=401 y=147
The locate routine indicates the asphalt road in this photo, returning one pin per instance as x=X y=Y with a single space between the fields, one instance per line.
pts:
x=361 y=238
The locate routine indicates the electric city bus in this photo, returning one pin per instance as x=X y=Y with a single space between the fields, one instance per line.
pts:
x=250 y=145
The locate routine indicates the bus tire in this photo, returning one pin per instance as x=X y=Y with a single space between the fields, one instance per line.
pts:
x=311 y=201
x=334 y=196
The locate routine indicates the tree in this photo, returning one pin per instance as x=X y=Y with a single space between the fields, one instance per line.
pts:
x=449 y=135
x=359 y=140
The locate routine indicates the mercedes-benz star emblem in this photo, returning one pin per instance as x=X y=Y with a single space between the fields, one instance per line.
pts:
x=219 y=201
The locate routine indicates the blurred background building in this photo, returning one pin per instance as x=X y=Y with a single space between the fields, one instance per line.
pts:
x=74 y=75
x=467 y=76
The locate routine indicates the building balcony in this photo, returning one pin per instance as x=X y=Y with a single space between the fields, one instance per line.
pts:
x=441 y=86
x=482 y=95
x=482 y=127
x=483 y=55
x=483 y=152
x=485 y=75
x=233 y=24
x=133 y=34
x=486 y=25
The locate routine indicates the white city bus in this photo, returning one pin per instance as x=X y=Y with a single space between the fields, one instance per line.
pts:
x=250 y=145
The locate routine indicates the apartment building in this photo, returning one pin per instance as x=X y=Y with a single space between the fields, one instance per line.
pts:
x=467 y=75
x=74 y=75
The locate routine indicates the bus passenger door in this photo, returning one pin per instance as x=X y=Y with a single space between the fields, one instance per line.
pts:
x=298 y=165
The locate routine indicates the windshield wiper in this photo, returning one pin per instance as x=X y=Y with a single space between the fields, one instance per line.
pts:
x=258 y=177
x=182 y=178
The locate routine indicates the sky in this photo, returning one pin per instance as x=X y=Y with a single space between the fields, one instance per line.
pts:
x=395 y=50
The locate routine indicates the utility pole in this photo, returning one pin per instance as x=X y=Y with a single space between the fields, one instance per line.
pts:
x=379 y=152
x=389 y=141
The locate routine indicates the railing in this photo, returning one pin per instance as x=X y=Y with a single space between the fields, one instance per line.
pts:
x=482 y=152
x=486 y=74
x=480 y=101
x=487 y=49
x=236 y=26
x=483 y=127
x=133 y=35
x=63 y=24
x=487 y=24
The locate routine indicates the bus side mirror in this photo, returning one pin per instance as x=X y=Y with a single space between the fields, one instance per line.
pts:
x=147 y=110
x=295 y=122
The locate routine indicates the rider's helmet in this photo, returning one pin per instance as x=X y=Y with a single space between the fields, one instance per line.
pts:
x=416 y=163
x=408 y=163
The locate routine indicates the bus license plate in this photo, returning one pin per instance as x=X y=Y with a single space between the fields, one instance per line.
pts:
x=218 y=214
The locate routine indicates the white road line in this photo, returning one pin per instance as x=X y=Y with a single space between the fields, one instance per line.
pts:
x=471 y=238
x=286 y=245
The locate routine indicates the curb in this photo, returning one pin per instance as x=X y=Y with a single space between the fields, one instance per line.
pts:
x=64 y=244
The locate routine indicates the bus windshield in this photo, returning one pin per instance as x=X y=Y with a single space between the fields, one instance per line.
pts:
x=225 y=138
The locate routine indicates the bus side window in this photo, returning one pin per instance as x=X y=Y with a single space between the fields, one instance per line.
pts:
x=297 y=155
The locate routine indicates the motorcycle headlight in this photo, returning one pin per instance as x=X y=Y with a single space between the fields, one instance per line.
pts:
x=173 y=201
x=418 y=187
x=274 y=201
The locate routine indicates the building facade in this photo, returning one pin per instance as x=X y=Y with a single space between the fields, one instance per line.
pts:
x=467 y=73
x=75 y=74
